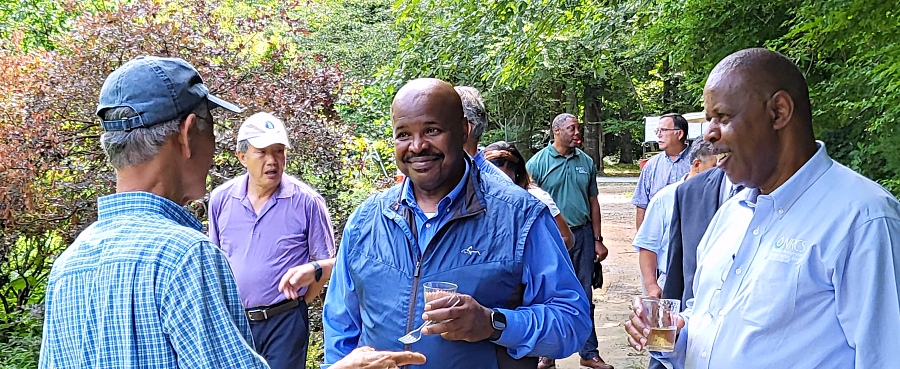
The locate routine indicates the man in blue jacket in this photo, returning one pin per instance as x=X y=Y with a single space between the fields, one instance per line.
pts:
x=446 y=222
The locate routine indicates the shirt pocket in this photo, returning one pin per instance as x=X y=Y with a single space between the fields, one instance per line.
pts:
x=772 y=296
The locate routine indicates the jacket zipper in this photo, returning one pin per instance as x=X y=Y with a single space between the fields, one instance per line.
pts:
x=410 y=319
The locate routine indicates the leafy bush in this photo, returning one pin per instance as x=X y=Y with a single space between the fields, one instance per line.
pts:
x=20 y=338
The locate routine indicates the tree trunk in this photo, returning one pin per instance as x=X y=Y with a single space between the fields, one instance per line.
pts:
x=626 y=148
x=668 y=97
x=592 y=127
x=572 y=100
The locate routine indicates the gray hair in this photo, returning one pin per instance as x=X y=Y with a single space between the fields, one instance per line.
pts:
x=562 y=118
x=129 y=148
x=700 y=149
x=473 y=109
x=243 y=146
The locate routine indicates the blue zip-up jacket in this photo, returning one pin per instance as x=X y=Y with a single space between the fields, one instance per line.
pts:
x=501 y=246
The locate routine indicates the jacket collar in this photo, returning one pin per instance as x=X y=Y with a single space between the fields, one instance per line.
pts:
x=471 y=196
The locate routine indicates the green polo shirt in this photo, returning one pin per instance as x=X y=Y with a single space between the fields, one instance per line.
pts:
x=570 y=180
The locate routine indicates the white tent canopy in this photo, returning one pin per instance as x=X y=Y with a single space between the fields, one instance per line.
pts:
x=696 y=126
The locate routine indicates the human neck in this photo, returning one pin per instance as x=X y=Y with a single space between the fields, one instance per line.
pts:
x=471 y=148
x=258 y=190
x=675 y=150
x=428 y=199
x=792 y=158
x=154 y=176
x=562 y=150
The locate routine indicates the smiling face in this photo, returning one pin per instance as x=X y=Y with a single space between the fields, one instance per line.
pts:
x=567 y=133
x=429 y=133
x=741 y=130
x=264 y=165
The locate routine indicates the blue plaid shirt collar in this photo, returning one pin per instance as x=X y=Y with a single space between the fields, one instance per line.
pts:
x=127 y=203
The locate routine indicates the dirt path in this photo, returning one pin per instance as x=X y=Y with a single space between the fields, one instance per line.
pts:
x=621 y=281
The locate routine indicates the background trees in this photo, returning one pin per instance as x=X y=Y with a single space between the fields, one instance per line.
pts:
x=329 y=68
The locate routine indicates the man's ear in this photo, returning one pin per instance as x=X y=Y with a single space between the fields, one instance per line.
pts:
x=781 y=109
x=184 y=138
x=468 y=129
x=241 y=157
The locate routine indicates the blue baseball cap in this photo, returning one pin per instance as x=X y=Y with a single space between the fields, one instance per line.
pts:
x=158 y=89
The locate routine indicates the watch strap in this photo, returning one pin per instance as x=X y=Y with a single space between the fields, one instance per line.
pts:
x=318 y=267
x=498 y=321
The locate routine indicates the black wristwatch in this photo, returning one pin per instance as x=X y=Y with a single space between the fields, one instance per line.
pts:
x=598 y=239
x=498 y=320
x=318 y=267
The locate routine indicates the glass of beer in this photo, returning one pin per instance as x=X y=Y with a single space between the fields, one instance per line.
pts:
x=436 y=290
x=659 y=316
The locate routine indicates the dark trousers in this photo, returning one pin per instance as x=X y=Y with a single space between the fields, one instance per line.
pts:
x=582 y=255
x=283 y=339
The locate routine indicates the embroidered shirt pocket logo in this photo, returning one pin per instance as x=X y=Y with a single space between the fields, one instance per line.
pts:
x=580 y=170
x=471 y=251
x=788 y=249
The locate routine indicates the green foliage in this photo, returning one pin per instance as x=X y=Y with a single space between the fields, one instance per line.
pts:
x=20 y=341
x=329 y=69
x=852 y=59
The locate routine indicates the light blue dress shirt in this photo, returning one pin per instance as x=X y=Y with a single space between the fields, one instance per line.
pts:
x=805 y=277
x=654 y=232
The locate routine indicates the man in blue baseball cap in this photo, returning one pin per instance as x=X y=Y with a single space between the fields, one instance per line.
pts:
x=143 y=286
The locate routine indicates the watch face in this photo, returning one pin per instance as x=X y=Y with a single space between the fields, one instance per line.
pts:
x=498 y=320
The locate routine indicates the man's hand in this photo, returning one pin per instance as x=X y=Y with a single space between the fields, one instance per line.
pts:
x=469 y=321
x=653 y=290
x=367 y=358
x=296 y=278
x=637 y=330
x=600 y=251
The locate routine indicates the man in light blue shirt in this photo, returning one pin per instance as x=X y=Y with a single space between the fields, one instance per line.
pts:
x=801 y=271
x=652 y=239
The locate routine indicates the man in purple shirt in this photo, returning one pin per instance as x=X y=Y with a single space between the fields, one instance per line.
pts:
x=277 y=235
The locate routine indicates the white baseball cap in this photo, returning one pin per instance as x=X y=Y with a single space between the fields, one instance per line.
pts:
x=263 y=130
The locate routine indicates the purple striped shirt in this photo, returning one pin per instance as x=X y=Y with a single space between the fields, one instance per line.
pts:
x=292 y=228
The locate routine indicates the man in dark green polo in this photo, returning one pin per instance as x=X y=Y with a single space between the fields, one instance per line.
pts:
x=570 y=177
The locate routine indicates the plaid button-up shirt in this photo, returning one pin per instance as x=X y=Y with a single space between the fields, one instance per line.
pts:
x=144 y=288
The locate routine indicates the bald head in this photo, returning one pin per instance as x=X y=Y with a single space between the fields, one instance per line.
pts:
x=766 y=72
x=436 y=93
x=760 y=121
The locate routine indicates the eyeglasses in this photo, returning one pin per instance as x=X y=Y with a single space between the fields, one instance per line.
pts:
x=658 y=130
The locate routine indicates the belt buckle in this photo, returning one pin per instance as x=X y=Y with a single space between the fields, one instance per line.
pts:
x=257 y=315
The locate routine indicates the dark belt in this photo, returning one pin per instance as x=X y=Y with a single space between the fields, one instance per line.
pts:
x=575 y=228
x=258 y=314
